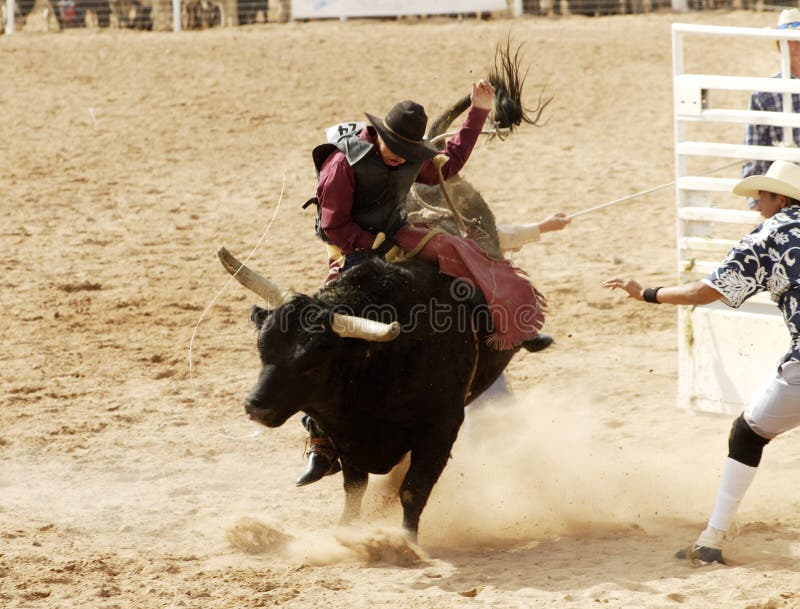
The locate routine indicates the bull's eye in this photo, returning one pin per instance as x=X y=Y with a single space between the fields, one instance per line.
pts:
x=309 y=351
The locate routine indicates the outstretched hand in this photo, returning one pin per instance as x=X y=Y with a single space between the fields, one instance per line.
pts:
x=482 y=94
x=556 y=221
x=633 y=289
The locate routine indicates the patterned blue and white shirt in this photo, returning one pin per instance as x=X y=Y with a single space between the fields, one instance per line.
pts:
x=767 y=259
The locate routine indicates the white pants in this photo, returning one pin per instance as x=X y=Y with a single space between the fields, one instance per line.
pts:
x=775 y=407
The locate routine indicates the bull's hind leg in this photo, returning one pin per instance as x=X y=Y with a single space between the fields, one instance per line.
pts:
x=428 y=459
x=355 y=484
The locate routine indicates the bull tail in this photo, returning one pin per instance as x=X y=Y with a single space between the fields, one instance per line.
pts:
x=507 y=79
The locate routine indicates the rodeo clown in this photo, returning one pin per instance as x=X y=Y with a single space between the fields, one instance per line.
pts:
x=765 y=260
x=364 y=174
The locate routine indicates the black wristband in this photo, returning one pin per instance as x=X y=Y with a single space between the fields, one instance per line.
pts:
x=650 y=295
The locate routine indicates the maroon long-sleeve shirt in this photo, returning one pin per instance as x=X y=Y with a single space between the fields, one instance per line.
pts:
x=336 y=185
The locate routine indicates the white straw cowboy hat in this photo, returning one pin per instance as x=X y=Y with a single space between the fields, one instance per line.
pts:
x=789 y=19
x=782 y=178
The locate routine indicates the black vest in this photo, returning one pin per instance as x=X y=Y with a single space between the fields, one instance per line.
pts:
x=380 y=190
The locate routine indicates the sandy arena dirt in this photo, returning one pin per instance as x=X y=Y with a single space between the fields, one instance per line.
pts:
x=129 y=475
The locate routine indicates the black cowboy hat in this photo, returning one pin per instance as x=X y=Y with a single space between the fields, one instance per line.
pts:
x=403 y=131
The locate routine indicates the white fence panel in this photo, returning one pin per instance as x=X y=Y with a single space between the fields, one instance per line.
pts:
x=728 y=354
x=724 y=354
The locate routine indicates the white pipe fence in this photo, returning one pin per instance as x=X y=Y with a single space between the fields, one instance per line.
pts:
x=229 y=12
x=285 y=10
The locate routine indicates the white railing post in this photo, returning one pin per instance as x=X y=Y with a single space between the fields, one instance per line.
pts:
x=518 y=8
x=10 y=16
x=176 y=15
x=786 y=98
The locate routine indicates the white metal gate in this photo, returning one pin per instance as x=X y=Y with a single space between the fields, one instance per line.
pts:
x=724 y=354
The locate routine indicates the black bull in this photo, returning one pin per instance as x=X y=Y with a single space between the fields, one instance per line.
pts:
x=378 y=399
x=380 y=393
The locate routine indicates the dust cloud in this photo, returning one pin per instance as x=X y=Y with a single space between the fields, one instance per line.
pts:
x=363 y=544
x=538 y=467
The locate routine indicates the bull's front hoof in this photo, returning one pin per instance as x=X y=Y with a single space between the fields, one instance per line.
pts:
x=411 y=536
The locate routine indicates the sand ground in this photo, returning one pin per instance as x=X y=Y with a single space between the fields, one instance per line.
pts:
x=129 y=476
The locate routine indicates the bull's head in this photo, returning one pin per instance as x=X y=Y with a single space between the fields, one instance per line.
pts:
x=298 y=339
x=296 y=347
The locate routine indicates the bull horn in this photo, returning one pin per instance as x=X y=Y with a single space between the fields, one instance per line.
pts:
x=348 y=326
x=268 y=290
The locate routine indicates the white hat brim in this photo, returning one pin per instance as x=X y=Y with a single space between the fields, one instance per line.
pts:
x=750 y=187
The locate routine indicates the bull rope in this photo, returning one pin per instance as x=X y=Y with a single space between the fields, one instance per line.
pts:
x=438 y=161
x=261 y=239
x=476 y=342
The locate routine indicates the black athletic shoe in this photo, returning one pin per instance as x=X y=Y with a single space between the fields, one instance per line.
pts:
x=700 y=555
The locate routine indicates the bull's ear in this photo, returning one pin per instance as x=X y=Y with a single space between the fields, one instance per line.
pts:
x=258 y=315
